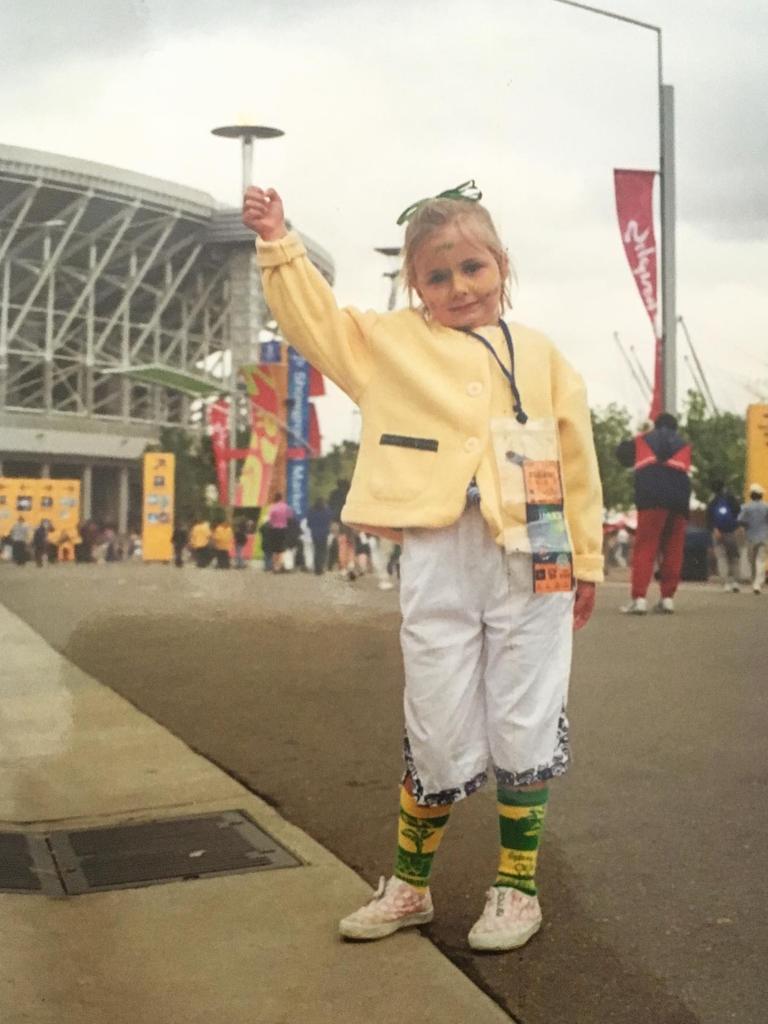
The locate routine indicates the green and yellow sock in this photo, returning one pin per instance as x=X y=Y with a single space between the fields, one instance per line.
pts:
x=521 y=819
x=419 y=832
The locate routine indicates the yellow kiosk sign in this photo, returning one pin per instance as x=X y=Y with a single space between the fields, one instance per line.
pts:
x=157 y=509
x=35 y=499
x=757 y=446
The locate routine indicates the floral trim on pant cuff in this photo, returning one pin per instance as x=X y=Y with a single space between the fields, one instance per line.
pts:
x=444 y=796
x=559 y=764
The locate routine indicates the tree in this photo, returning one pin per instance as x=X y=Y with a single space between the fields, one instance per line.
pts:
x=195 y=469
x=719 y=447
x=337 y=464
x=610 y=426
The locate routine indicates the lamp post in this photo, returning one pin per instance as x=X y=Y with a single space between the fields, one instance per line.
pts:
x=667 y=181
x=246 y=133
x=392 y=251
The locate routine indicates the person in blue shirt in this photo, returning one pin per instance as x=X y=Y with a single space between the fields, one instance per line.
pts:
x=723 y=523
x=319 y=520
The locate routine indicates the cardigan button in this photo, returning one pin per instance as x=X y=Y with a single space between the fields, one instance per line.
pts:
x=471 y=444
x=474 y=388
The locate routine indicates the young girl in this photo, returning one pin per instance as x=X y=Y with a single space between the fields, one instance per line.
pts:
x=477 y=455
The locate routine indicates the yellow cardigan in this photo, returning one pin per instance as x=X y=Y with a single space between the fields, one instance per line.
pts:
x=434 y=391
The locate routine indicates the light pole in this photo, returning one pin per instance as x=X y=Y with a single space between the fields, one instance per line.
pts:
x=392 y=251
x=667 y=181
x=246 y=133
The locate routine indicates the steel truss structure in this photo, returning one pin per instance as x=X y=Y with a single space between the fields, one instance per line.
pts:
x=101 y=270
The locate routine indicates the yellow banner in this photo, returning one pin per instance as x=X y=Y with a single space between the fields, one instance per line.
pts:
x=58 y=501
x=255 y=483
x=757 y=447
x=158 y=507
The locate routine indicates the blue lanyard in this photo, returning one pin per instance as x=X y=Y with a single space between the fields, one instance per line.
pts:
x=517 y=404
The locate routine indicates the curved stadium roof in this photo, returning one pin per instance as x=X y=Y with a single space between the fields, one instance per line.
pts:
x=103 y=268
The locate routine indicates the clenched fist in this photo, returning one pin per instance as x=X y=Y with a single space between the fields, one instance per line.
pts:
x=584 y=604
x=263 y=213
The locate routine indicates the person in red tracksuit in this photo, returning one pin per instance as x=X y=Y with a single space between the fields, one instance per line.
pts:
x=661 y=460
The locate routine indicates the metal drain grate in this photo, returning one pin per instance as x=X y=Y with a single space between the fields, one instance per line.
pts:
x=137 y=854
x=18 y=864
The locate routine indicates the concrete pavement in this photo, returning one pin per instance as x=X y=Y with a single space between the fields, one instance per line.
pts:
x=252 y=948
x=653 y=862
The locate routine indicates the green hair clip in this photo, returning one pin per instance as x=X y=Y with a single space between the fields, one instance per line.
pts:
x=468 y=190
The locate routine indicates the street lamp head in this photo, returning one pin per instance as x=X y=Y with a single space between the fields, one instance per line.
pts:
x=388 y=250
x=247 y=131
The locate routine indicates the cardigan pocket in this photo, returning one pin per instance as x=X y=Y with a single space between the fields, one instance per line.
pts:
x=402 y=466
x=424 y=444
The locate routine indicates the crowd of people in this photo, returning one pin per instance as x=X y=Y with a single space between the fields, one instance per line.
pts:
x=726 y=538
x=661 y=459
x=317 y=542
x=47 y=544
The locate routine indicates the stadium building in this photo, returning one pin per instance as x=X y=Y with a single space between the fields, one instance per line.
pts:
x=105 y=273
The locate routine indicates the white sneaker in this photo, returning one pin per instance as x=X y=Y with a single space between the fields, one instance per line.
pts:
x=386 y=585
x=395 y=905
x=666 y=606
x=638 y=606
x=509 y=919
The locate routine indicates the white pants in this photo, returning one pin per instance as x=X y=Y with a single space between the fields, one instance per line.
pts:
x=487 y=664
x=757 y=564
x=380 y=556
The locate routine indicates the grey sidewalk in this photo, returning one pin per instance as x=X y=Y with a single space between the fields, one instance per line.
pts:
x=258 y=947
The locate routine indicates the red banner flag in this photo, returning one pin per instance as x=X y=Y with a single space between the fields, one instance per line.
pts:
x=634 y=206
x=218 y=421
x=316 y=383
x=315 y=439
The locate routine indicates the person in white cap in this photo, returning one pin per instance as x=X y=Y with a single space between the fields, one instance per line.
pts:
x=754 y=518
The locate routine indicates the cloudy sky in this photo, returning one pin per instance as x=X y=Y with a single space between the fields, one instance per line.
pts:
x=385 y=102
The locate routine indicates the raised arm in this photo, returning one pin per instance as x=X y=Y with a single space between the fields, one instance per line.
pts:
x=336 y=341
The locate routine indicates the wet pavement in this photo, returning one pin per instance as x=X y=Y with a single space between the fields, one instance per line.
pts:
x=653 y=860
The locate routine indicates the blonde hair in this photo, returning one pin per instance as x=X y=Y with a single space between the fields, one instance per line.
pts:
x=435 y=214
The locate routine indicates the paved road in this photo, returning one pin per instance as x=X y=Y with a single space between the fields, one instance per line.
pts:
x=653 y=866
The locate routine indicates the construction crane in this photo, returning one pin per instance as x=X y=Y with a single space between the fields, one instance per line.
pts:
x=705 y=389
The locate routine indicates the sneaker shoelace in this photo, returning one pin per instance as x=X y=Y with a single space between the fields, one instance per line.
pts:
x=394 y=897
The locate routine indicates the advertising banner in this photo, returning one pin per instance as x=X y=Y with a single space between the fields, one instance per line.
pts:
x=298 y=399
x=256 y=475
x=66 y=504
x=634 y=206
x=757 y=448
x=18 y=497
x=297 y=469
x=157 y=511
x=8 y=514
x=218 y=421
x=59 y=502
x=297 y=485
x=316 y=383
x=269 y=351
x=36 y=499
x=315 y=438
